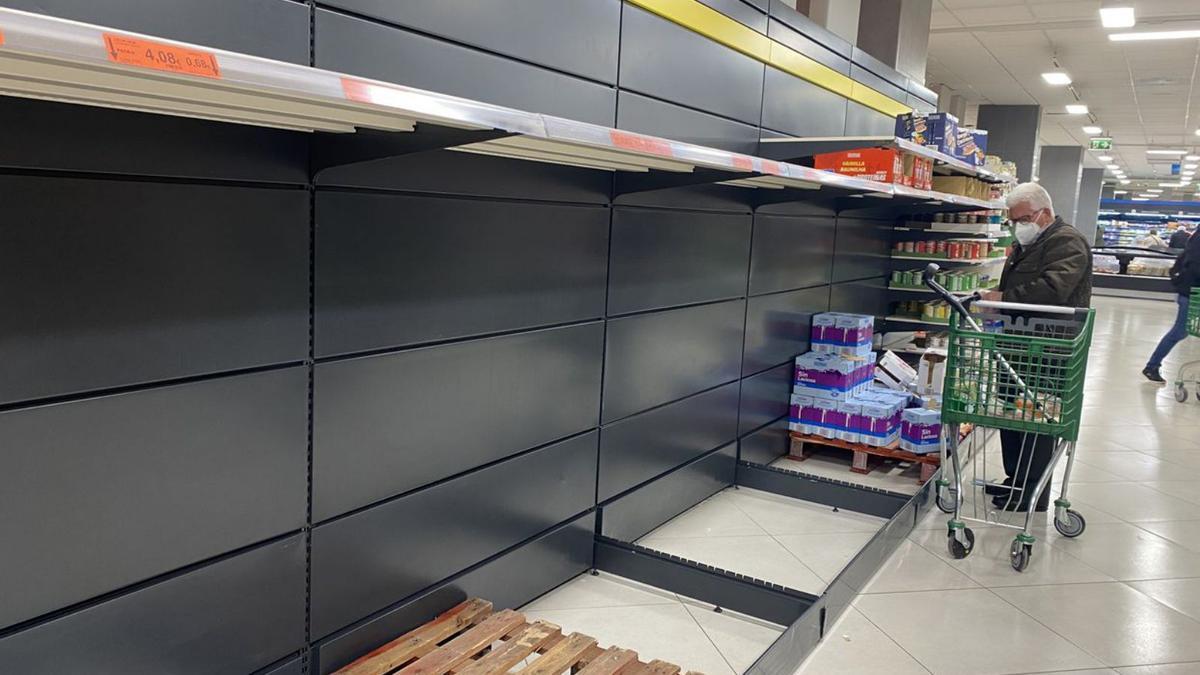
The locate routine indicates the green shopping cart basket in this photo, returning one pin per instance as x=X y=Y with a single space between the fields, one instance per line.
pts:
x=1190 y=371
x=1193 y=321
x=1023 y=373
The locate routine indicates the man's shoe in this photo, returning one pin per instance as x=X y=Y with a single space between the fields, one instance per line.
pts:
x=1001 y=489
x=1153 y=375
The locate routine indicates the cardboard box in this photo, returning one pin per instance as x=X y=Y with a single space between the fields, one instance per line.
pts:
x=921 y=430
x=893 y=373
x=931 y=373
x=935 y=130
x=880 y=164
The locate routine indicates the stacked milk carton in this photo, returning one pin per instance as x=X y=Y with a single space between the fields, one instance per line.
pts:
x=921 y=431
x=832 y=395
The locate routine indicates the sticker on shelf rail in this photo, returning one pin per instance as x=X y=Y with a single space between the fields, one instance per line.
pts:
x=1 y=38
x=772 y=167
x=628 y=141
x=742 y=162
x=160 y=56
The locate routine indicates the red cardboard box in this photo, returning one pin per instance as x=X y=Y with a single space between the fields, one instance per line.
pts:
x=881 y=164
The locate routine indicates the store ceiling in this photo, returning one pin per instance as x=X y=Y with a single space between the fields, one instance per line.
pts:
x=1145 y=95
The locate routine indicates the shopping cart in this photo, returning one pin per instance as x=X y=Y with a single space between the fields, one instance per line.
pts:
x=1191 y=368
x=1019 y=368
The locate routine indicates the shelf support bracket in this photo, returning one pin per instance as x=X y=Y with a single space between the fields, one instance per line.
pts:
x=330 y=150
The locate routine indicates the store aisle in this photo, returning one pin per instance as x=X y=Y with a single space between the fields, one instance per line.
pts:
x=1123 y=598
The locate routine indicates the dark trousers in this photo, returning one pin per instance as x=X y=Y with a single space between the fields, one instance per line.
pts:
x=1038 y=449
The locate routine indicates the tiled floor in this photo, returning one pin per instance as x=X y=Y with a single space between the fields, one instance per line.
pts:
x=789 y=542
x=656 y=624
x=1123 y=598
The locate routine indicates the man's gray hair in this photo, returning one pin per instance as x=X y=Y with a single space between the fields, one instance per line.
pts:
x=1032 y=194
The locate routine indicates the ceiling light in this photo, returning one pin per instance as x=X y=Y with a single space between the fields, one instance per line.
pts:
x=1058 y=78
x=1117 y=17
x=1077 y=109
x=1092 y=131
x=1191 y=166
x=1120 y=192
x=1173 y=153
x=1139 y=199
x=1158 y=35
x=1105 y=158
x=1113 y=167
x=1193 y=158
x=1123 y=182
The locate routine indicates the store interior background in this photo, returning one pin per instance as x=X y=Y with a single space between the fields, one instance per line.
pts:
x=314 y=412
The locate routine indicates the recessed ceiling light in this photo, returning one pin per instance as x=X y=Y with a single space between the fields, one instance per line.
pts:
x=1191 y=166
x=1123 y=182
x=1174 y=153
x=1113 y=167
x=1120 y=192
x=1193 y=158
x=1092 y=131
x=1057 y=78
x=1105 y=158
x=1139 y=199
x=1117 y=17
x=1157 y=35
x=1076 y=109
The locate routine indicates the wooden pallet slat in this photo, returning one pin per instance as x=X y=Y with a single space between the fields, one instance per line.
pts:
x=609 y=662
x=466 y=645
x=525 y=642
x=657 y=667
x=419 y=641
x=562 y=656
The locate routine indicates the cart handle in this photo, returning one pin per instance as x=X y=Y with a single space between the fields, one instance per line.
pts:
x=959 y=304
x=1026 y=307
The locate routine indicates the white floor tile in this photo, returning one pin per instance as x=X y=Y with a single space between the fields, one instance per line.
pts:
x=1163 y=669
x=666 y=632
x=1186 y=533
x=717 y=516
x=605 y=590
x=912 y=568
x=855 y=646
x=781 y=515
x=968 y=632
x=1140 y=467
x=1187 y=490
x=1129 y=553
x=1112 y=621
x=1136 y=503
x=1182 y=595
x=825 y=554
x=741 y=640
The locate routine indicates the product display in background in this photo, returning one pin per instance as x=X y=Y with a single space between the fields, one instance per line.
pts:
x=934 y=130
x=965 y=186
x=951 y=249
x=1151 y=267
x=958 y=281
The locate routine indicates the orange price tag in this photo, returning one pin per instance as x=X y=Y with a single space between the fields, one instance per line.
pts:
x=744 y=163
x=629 y=141
x=159 y=56
x=1 y=38
x=771 y=167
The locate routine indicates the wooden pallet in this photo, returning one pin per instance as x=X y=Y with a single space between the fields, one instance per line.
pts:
x=862 y=453
x=472 y=640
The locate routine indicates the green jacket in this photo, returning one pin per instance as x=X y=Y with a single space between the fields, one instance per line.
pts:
x=1056 y=269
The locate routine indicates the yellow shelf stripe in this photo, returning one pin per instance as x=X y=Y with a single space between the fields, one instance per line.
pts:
x=702 y=19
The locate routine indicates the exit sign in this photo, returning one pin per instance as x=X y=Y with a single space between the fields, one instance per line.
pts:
x=1100 y=143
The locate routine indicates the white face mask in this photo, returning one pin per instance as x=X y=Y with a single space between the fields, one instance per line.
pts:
x=1027 y=233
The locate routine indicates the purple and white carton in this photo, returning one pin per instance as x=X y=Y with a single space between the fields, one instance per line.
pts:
x=921 y=430
x=852 y=410
x=831 y=417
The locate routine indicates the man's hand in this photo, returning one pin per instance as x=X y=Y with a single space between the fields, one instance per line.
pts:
x=992 y=296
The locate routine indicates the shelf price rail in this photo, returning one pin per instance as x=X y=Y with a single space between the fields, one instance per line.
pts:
x=358 y=119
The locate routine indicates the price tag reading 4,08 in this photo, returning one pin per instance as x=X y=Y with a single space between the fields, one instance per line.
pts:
x=159 y=56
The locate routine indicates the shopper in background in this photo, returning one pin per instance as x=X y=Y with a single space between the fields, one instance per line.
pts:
x=1180 y=237
x=1050 y=265
x=1152 y=241
x=1185 y=275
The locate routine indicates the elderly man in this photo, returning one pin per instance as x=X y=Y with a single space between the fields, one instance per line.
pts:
x=1050 y=265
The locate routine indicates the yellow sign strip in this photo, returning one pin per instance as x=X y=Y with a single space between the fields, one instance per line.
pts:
x=702 y=19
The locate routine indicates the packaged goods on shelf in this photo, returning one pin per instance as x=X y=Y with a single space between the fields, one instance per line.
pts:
x=1106 y=264
x=954 y=249
x=935 y=130
x=921 y=430
x=886 y=165
x=1151 y=267
x=972 y=145
x=965 y=186
x=872 y=416
x=832 y=376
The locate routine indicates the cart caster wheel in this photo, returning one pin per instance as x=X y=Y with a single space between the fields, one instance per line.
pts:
x=946 y=501
x=1073 y=527
x=959 y=550
x=1020 y=554
x=1181 y=393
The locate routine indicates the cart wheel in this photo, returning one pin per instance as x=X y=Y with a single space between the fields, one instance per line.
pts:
x=958 y=550
x=1073 y=527
x=1181 y=393
x=1020 y=553
x=946 y=500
